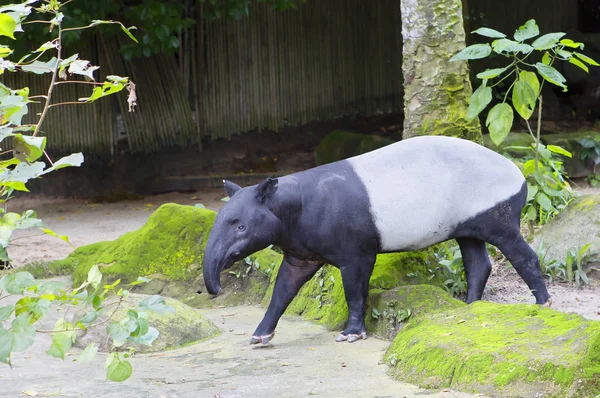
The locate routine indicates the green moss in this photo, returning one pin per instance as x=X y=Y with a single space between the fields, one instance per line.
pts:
x=339 y=145
x=395 y=269
x=419 y=299
x=171 y=243
x=499 y=349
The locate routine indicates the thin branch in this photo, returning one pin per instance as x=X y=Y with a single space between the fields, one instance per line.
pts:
x=48 y=157
x=67 y=103
x=37 y=21
x=39 y=96
x=539 y=131
x=3 y=297
x=25 y=237
x=89 y=327
x=78 y=82
x=52 y=82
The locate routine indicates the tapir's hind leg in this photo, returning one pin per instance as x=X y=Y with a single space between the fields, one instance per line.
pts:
x=527 y=264
x=477 y=266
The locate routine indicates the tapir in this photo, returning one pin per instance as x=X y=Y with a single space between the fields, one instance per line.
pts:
x=406 y=196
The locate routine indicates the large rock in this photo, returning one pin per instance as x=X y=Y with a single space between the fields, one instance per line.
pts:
x=500 y=350
x=573 y=228
x=169 y=249
x=339 y=145
x=184 y=326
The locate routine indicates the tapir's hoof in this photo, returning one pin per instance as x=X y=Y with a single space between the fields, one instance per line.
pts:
x=548 y=303
x=351 y=338
x=262 y=339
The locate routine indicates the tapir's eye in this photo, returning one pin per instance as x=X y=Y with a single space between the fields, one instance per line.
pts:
x=241 y=228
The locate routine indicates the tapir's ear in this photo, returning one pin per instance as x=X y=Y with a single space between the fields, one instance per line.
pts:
x=266 y=189
x=231 y=188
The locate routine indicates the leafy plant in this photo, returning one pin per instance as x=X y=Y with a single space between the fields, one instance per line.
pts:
x=24 y=161
x=392 y=315
x=548 y=191
x=19 y=322
x=571 y=270
x=593 y=179
x=450 y=258
x=525 y=91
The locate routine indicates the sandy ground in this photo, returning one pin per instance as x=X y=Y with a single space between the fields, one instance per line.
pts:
x=302 y=361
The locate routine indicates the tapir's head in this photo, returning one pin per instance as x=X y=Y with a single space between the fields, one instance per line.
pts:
x=245 y=224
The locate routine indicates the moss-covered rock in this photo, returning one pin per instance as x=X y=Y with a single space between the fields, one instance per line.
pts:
x=573 y=228
x=412 y=268
x=339 y=145
x=389 y=309
x=169 y=249
x=512 y=140
x=184 y=326
x=500 y=350
x=322 y=298
x=575 y=143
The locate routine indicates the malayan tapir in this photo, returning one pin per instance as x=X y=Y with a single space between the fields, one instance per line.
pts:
x=405 y=196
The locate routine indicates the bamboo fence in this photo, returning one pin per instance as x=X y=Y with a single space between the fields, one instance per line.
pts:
x=324 y=60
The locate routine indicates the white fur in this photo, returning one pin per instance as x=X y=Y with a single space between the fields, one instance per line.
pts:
x=421 y=188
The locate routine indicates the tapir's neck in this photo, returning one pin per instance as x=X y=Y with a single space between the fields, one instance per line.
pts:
x=286 y=206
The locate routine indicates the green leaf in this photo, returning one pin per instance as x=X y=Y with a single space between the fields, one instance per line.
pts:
x=532 y=190
x=564 y=54
x=17 y=282
x=499 y=122
x=559 y=150
x=61 y=343
x=94 y=276
x=120 y=331
x=491 y=73
x=550 y=74
x=527 y=31
x=52 y=233
x=7 y=26
x=476 y=51
x=5 y=51
x=509 y=46
x=523 y=99
x=546 y=59
x=543 y=201
x=32 y=147
x=118 y=368
x=140 y=280
x=18 y=339
x=141 y=329
x=532 y=80
x=89 y=317
x=6 y=312
x=23 y=172
x=487 y=32
x=33 y=306
x=578 y=63
x=547 y=41
x=74 y=160
x=88 y=354
x=156 y=304
x=571 y=44
x=147 y=338
x=83 y=68
x=39 y=67
x=586 y=59
x=479 y=100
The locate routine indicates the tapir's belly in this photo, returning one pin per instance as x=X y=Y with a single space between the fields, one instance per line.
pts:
x=421 y=189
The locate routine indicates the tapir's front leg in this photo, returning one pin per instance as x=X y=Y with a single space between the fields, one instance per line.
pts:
x=293 y=274
x=355 y=276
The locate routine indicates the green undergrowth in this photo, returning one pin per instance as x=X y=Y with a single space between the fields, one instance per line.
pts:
x=500 y=350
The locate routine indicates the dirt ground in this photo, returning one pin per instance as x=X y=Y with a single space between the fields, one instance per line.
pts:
x=302 y=361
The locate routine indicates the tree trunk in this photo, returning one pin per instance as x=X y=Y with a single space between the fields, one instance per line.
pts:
x=436 y=91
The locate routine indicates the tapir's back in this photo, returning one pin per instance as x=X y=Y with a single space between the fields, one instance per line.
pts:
x=422 y=188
